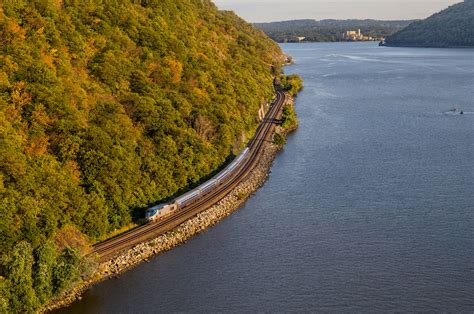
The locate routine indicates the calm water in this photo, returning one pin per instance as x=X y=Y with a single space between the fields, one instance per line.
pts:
x=370 y=207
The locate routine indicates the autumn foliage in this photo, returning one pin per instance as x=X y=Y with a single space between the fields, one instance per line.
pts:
x=107 y=107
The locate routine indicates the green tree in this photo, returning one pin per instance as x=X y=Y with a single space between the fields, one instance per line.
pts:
x=291 y=84
x=289 y=119
x=108 y=107
x=5 y=296
x=43 y=271
x=66 y=270
x=279 y=139
x=18 y=268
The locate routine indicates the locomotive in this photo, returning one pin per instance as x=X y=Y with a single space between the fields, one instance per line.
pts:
x=157 y=212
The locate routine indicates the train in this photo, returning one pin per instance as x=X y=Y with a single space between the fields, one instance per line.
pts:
x=157 y=212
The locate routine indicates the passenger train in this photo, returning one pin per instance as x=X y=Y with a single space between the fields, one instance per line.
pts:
x=157 y=212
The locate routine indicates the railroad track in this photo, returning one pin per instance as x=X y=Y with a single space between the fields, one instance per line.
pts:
x=110 y=248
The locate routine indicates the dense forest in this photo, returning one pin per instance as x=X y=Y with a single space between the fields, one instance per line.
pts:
x=328 y=30
x=107 y=107
x=453 y=27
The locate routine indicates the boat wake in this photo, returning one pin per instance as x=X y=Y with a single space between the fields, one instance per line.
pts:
x=455 y=112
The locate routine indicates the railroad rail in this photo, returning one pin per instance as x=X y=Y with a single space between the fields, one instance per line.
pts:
x=112 y=247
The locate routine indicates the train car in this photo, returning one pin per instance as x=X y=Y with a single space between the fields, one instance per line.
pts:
x=233 y=165
x=159 y=211
x=188 y=197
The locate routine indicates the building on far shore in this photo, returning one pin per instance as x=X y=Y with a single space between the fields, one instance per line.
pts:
x=295 y=39
x=356 y=36
x=352 y=34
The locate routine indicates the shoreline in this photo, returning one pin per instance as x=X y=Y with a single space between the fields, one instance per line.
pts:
x=182 y=233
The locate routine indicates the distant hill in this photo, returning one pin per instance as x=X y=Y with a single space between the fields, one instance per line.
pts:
x=328 y=30
x=453 y=27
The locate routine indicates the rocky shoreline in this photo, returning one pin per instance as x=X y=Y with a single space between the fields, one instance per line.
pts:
x=179 y=235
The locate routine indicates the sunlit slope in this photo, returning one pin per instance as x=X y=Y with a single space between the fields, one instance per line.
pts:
x=109 y=106
x=106 y=107
x=453 y=27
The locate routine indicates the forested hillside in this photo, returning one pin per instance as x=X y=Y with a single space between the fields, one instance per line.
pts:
x=328 y=30
x=453 y=27
x=107 y=107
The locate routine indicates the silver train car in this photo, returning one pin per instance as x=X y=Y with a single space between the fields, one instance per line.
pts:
x=159 y=211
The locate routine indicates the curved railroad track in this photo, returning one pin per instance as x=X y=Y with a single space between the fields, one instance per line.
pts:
x=110 y=248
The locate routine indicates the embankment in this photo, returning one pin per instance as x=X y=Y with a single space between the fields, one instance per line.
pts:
x=183 y=232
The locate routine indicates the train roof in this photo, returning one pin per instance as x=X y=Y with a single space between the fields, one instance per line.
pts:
x=190 y=194
x=158 y=206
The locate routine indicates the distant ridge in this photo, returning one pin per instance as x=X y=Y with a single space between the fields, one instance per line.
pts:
x=328 y=30
x=452 y=27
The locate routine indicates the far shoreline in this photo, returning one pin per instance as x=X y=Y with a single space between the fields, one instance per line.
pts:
x=372 y=41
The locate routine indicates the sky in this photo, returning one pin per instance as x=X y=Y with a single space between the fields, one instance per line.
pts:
x=281 y=10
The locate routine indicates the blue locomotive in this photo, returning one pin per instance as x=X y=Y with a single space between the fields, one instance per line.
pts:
x=156 y=212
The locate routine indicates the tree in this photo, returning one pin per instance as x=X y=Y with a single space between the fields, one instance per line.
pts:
x=18 y=268
x=4 y=295
x=66 y=270
x=107 y=107
x=291 y=84
x=43 y=271
x=289 y=119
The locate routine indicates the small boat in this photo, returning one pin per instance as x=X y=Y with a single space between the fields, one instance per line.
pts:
x=454 y=111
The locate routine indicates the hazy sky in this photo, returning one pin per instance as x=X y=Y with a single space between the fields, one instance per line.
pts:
x=279 y=10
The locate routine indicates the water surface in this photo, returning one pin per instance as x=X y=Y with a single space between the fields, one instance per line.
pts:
x=368 y=208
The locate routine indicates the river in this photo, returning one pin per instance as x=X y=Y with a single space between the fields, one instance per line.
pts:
x=369 y=207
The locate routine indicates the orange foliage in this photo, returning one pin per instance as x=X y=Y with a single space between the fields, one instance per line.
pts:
x=73 y=169
x=58 y=3
x=38 y=146
x=169 y=71
x=40 y=31
x=48 y=59
x=70 y=236
x=20 y=96
x=40 y=117
x=202 y=56
x=176 y=69
x=154 y=72
x=11 y=31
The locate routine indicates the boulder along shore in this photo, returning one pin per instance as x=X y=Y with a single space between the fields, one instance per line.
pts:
x=179 y=235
